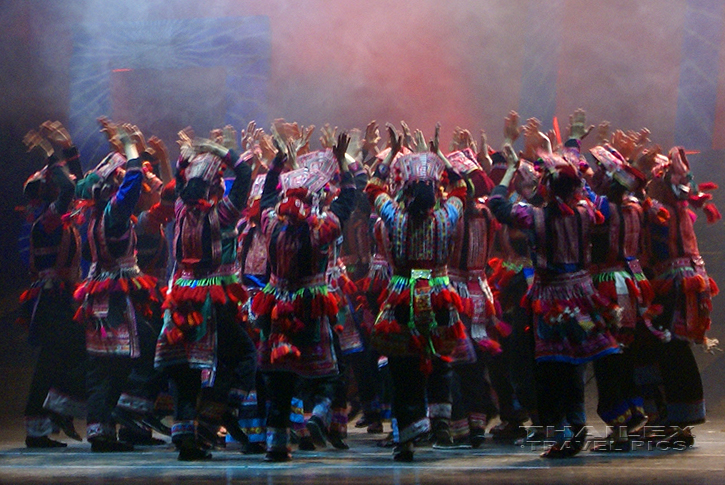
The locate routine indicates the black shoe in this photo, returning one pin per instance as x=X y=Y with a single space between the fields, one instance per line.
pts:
x=386 y=442
x=534 y=436
x=43 y=442
x=130 y=420
x=612 y=445
x=375 y=427
x=105 y=445
x=253 y=449
x=404 y=452
x=557 y=452
x=477 y=438
x=508 y=430
x=305 y=444
x=441 y=435
x=355 y=408
x=65 y=423
x=145 y=439
x=230 y=422
x=278 y=456
x=317 y=431
x=155 y=423
x=193 y=453
x=336 y=441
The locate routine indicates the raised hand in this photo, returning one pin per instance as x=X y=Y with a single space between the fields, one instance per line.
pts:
x=603 y=132
x=248 y=136
x=305 y=137
x=340 y=149
x=33 y=140
x=578 y=128
x=395 y=141
x=327 y=137
x=408 y=140
x=435 y=143
x=111 y=131
x=206 y=145
x=354 y=148
x=419 y=142
x=229 y=137
x=136 y=136
x=372 y=138
x=56 y=133
x=511 y=128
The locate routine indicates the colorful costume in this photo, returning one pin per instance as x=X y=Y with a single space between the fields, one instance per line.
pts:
x=570 y=317
x=203 y=344
x=618 y=277
x=418 y=327
x=57 y=391
x=116 y=296
x=295 y=310
x=681 y=285
x=473 y=404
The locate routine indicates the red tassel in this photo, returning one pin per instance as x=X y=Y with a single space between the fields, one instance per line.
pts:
x=714 y=290
x=711 y=213
x=459 y=330
x=80 y=293
x=78 y=316
x=537 y=307
x=218 y=295
x=490 y=346
x=707 y=187
x=694 y=284
x=632 y=287
x=663 y=215
x=468 y=307
x=426 y=366
x=503 y=328
x=648 y=293
x=456 y=300
x=598 y=218
x=383 y=296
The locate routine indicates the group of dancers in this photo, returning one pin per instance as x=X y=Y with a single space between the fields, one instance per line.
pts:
x=249 y=288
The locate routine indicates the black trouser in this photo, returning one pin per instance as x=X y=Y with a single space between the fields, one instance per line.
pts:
x=236 y=357
x=282 y=386
x=471 y=390
x=410 y=386
x=144 y=381
x=60 y=365
x=617 y=391
x=105 y=379
x=680 y=378
x=560 y=389
x=110 y=375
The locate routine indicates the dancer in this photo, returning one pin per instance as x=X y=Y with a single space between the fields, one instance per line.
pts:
x=418 y=326
x=57 y=391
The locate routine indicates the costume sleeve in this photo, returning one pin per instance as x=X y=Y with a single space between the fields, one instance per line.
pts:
x=344 y=203
x=270 y=194
x=381 y=201
x=242 y=178
x=517 y=215
x=120 y=208
x=66 y=188
x=73 y=162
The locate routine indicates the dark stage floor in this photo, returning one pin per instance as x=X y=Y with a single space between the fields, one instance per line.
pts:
x=365 y=463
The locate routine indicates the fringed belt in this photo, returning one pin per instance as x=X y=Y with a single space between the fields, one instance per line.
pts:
x=563 y=279
x=220 y=272
x=607 y=268
x=466 y=275
x=283 y=283
x=419 y=273
x=673 y=263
